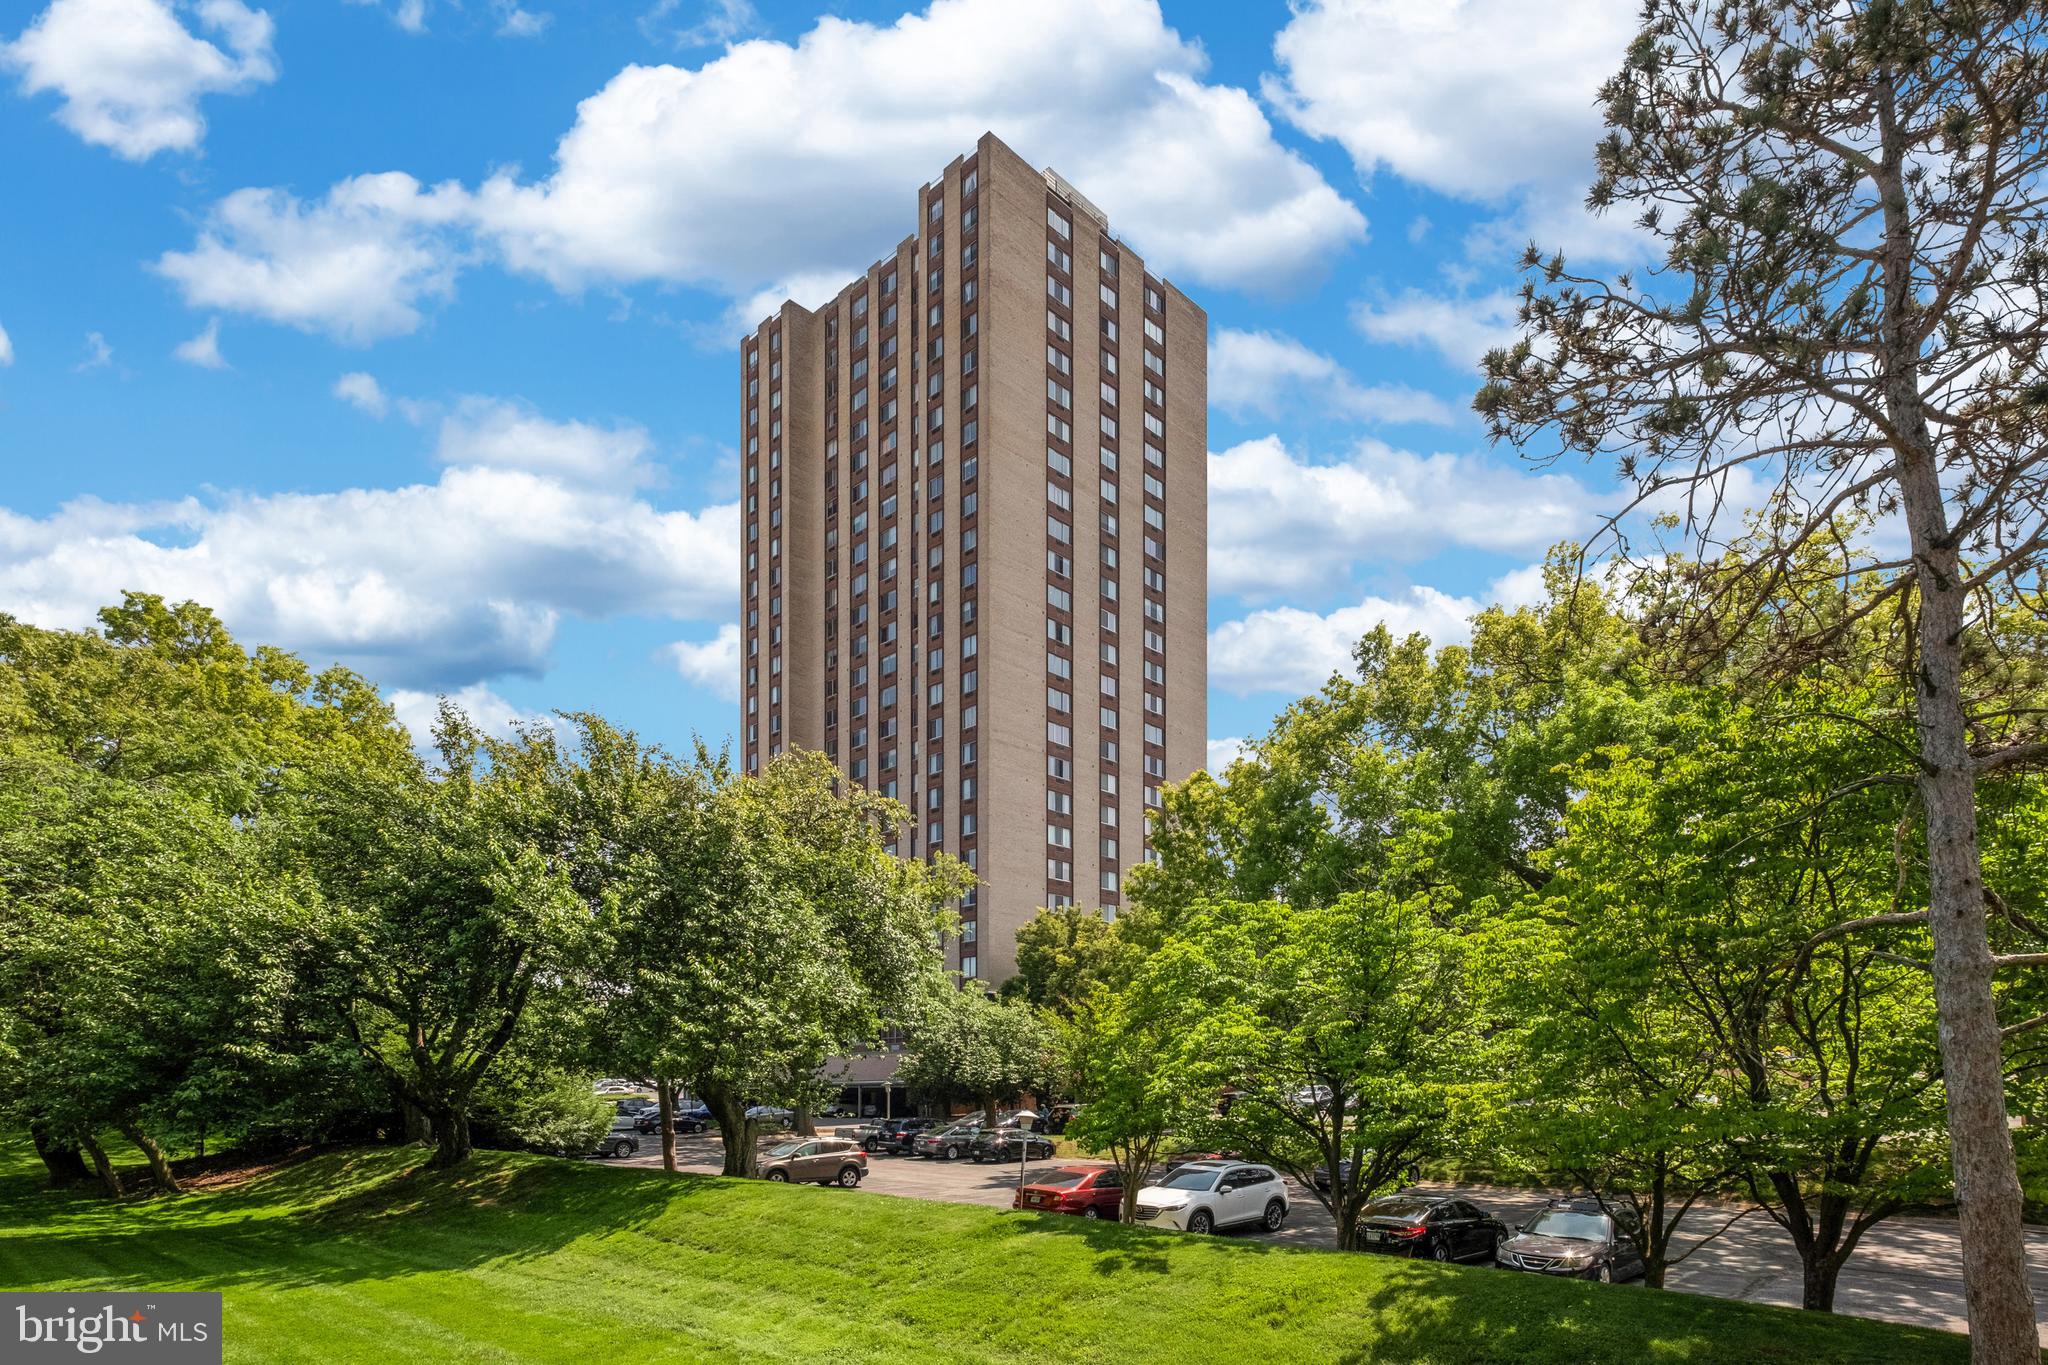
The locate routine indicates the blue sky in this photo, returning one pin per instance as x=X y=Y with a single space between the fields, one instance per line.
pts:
x=400 y=332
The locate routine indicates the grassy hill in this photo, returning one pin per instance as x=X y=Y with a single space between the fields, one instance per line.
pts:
x=362 y=1255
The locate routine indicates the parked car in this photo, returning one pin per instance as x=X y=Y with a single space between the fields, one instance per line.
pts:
x=1089 y=1191
x=1008 y=1144
x=691 y=1120
x=1573 y=1236
x=614 y=1085
x=770 y=1116
x=627 y=1108
x=824 y=1161
x=949 y=1143
x=1204 y=1195
x=1056 y=1122
x=1431 y=1226
x=1317 y=1096
x=617 y=1145
x=894 y=1135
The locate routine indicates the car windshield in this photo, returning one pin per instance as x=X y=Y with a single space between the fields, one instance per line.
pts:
x=1190 y=1179
x=1590 y=1227
x=786 y=1149
x=1399 y=1208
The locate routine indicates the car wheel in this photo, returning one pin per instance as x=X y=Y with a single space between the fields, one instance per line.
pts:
x=1441 y=1251
x=952 y=1154
x=1200 y=1221
x=868 y=1147
x=1605 y=1274
x=779 y=1177
x=849 y=1176
x=1091 y=1212
x=1276 y=1214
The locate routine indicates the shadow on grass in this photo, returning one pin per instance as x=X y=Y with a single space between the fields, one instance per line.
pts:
x=347 y=1216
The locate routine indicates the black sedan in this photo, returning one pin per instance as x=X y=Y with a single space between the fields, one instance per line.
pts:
x=1429 y=1227
x=1007 y=1144
x=1574 y=1237
x=687 y=1120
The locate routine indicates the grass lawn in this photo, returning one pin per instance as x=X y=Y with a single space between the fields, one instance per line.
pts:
x=361 y=1255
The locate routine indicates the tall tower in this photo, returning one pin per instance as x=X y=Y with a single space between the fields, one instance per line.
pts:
x=975 y=541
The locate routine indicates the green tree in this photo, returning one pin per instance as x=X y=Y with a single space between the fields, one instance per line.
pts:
x=1137 y=1085
x=773 y=930
x=137 y=763
x=1847 y=195
x=445 y=916
x=1699 y=897
x=967 y=1048
x=1473 y=735
x=1347 y=1029
x=1063 y=954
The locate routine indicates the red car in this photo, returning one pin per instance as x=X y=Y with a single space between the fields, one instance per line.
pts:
x=1091 y=1191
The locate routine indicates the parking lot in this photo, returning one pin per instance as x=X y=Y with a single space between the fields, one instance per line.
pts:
x=1905 y=1270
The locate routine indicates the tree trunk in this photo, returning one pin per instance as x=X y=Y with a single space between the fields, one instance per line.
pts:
x=419 y=1129
x=61 y=1159
x=451 y=1138
x=665 y=1096
x=733 y=1129
x=1988 y=1197
x=159 y=1167
x=1347 y=1212
x=802 y=1121
x=1817 y=1276
x=109 y=1177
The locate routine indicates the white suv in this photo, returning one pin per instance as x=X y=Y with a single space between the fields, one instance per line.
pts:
x=1204 y=1195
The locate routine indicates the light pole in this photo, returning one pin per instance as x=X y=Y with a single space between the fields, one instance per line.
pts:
x=1025 y=1118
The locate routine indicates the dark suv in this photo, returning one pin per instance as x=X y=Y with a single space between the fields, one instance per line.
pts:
x=896 y=1135
x=1574 y=1237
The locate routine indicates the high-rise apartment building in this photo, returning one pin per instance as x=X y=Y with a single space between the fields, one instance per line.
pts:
x=975 y=538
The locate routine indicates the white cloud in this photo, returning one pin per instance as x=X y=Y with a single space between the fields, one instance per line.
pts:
x=354 y=264
x=1280 y=524
x=362 y=391
x=1286 y=649
x=722 y=21
x=131 y=75
x=418 y=710
x=1268 y=373
x=712 y=664
x=1474 y=98
x=494 y=433
x=1221 y=754
x=6 y=348
x=98 y=354
x=514 y=22
x=716 y=175
x=1289 y=650
x=778 y=162
x=424 y=586
x=409 y=15
x=203 y=350
x=1461 y=329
